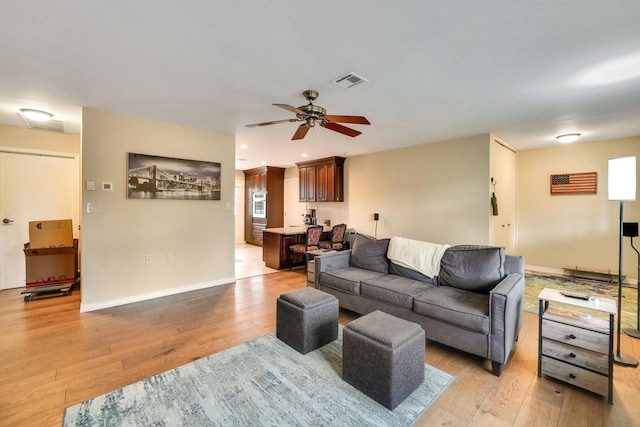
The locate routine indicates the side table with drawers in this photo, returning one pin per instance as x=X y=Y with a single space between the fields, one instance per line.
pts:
x=576 y=346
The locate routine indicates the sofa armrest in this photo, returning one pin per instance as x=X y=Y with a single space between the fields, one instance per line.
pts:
x=505 y=311
x=331 y=261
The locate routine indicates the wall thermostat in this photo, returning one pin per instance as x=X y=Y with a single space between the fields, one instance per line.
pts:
x=107 y=186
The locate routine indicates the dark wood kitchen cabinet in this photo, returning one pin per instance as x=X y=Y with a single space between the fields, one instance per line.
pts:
x=267 y=180
x=307 y=175
x=322 y=180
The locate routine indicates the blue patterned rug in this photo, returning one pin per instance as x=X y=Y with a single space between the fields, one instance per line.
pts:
x=262 y=382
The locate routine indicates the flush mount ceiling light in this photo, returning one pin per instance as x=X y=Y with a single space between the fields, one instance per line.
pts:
x=37 y=115
x=568 y=137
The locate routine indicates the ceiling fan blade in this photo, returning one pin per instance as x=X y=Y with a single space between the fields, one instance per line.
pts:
x=360 y=120
x=301 y=132
x=272 y=123
x=339 y=128
x=294 y=110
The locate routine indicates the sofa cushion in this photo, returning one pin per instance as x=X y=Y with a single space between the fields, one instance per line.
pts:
x=468 y=310
x=393 y=289
x=409 y=273
x=347 y=279
x=474 y=268
x=370 y=254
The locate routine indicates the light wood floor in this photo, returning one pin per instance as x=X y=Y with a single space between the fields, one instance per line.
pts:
x=51 y=356
x=249 y=261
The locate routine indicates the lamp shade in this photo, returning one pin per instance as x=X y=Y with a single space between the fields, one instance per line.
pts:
x=622 y=178
x=630 y=229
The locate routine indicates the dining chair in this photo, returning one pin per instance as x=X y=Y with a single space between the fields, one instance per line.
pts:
x=312 y=243
x=337 y=237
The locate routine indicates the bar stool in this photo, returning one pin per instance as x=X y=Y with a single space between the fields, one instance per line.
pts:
x=337 y=236
x=312 y=242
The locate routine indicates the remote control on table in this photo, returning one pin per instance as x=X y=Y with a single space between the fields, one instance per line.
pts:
x=576 y=296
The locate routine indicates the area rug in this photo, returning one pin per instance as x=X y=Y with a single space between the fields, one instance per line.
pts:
x=262 y=382
x=536 y=282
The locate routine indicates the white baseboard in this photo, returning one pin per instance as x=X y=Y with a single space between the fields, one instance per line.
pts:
x=152 y=295
x=545 y=270
x=560 y=272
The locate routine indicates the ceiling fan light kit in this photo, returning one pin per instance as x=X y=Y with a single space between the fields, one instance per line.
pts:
x=311 y=115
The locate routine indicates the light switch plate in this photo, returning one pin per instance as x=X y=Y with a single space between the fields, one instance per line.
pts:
x=91 y=185
x=107 y=186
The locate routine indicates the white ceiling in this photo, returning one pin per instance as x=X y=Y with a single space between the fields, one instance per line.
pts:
x=524 y=70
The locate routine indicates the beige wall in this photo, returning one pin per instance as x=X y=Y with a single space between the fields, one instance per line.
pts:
x=568 y=230
x=39 y=140
x=115 y=240
x=239 y=219
x=435 y=192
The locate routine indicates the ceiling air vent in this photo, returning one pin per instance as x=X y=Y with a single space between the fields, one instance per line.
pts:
x=52 y=125
x=349 y=80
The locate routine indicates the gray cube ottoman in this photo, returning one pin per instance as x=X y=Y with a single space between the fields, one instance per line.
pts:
x=307 y=319
x=383 y=357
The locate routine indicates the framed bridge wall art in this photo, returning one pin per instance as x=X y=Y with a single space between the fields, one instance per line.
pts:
x=155 y=177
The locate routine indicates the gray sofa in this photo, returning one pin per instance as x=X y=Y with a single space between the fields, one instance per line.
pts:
x=473 y=304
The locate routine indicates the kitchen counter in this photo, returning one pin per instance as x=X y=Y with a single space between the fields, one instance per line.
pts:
x=276 y=242
x=292 y=230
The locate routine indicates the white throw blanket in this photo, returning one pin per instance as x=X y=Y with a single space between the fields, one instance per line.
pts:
x=420 y=256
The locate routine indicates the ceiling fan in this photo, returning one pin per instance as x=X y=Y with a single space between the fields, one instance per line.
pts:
x=314 y=114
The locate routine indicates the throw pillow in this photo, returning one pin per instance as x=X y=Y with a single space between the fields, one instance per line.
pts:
x=370 y=254
x=473 y=268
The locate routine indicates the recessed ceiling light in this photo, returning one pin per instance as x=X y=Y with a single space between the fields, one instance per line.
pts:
x=37 y=115
x=263 y=163
x=305 y=155
x=568 y=137
x=244 y=146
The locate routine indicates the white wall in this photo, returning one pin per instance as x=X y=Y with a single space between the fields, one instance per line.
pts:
x=199 y=233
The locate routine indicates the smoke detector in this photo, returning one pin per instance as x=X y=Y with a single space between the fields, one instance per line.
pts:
x=349 y=80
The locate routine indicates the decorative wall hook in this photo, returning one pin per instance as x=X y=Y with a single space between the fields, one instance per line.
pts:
x=494 y=200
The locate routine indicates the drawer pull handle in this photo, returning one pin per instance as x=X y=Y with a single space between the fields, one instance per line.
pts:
x=572 y=376
x=572 y=355
x=573 y=337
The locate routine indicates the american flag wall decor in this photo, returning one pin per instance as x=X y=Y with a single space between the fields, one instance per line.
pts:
x=575 y=183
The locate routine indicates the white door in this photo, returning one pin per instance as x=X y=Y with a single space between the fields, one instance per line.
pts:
x=504 y=172
x=32 y=188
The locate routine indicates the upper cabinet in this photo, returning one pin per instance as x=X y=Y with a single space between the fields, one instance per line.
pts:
x=307 y=181
x=322 y=180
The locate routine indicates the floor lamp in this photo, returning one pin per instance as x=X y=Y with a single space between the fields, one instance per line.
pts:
x=622 y=187
x=630 y=229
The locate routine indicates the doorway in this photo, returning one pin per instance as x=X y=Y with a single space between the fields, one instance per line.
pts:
x=33 y=186
x=249 y=261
